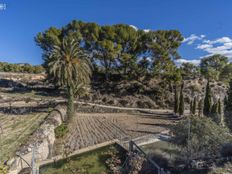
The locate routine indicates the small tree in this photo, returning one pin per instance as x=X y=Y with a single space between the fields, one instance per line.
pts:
x=207 y=100
x=68 y=67
x=181 y=105
x=194 y=106
x=203 y=137
x=191 y=107
x=216 y=112
x=214 y=109
x=200 y=108
x=220 y=111
x=176 y=101
x=228 y=107
x=219 y=107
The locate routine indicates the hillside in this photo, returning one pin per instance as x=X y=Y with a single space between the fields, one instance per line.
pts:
x=154 y=93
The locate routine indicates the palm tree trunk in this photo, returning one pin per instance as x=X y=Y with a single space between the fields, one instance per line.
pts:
x=70 y=106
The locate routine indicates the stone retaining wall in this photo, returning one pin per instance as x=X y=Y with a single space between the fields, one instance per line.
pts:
x=42 y=139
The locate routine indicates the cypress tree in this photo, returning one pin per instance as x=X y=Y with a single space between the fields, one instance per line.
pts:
x=228 y=107
x=214 y=113
x=219 y=107
x=214 y=109
x=181 y=105
x=220 y=112
x=207 y=100
x=176 y=101
x=194 y=106
x=191 y=107
x=200 y=108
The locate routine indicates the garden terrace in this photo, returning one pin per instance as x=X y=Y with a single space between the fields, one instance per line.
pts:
x=88 y=129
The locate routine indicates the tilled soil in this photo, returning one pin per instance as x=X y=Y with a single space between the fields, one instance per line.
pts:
x=88 y=129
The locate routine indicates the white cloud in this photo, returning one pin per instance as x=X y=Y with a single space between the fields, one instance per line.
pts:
x=204 y=46
x=192 y=38
x=221 y=46
x=146 y=30
x=136 y=28
x=202 y=36
x=193 y=61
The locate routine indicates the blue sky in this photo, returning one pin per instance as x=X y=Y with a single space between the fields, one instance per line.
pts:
x=205 y=24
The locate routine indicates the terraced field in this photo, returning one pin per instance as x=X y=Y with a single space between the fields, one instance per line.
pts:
x=88 y=129
x=14 y=130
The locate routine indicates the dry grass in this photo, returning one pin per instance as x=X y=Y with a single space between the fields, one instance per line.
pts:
x=14 y=131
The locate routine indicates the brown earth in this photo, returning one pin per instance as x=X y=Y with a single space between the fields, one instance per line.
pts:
x=92 y=128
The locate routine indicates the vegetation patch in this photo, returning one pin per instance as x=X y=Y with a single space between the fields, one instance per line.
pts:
x=61 y=130
x=94 y=162
x=15 y=130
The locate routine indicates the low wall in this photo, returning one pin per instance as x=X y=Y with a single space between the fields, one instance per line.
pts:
x=43 y=139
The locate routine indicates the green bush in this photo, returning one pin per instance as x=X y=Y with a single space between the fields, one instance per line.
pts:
x=61 y=130
x=3 y=169
x=205 y=137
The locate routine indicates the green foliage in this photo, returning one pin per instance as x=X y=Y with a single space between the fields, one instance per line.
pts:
x=214 y=109
x=226 y=73
x=3 y=169
x=194 y=106
x=228 y=107
x=68 y=67
x=219 y=107
x=176 y=101
x=176 y=76
x=226 y=168
x=212 y=66
x=191 y=107
x=200 y=108
x=20 y=68
x=189 y=70
x=207 y=101
x=204 y=139
x=215 y=113
x=143 y=66
x=181 y=105
x=61 y=130
x=118 y=48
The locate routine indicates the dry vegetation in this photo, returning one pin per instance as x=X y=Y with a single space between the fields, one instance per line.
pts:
x=14 y=131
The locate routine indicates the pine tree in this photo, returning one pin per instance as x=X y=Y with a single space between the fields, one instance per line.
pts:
x=194 y=106
x=176 y=102
x=200 y=108
x=207 y=100
x=181 y=105
x=228 y=107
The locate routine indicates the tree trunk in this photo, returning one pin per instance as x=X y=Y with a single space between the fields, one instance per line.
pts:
x=70 y=105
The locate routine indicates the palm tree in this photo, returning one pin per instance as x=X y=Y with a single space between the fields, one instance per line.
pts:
x=69 y=68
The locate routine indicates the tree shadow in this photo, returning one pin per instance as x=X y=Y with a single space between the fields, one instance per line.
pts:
x=146 y=132
x=157 y=124
x=24 y=110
